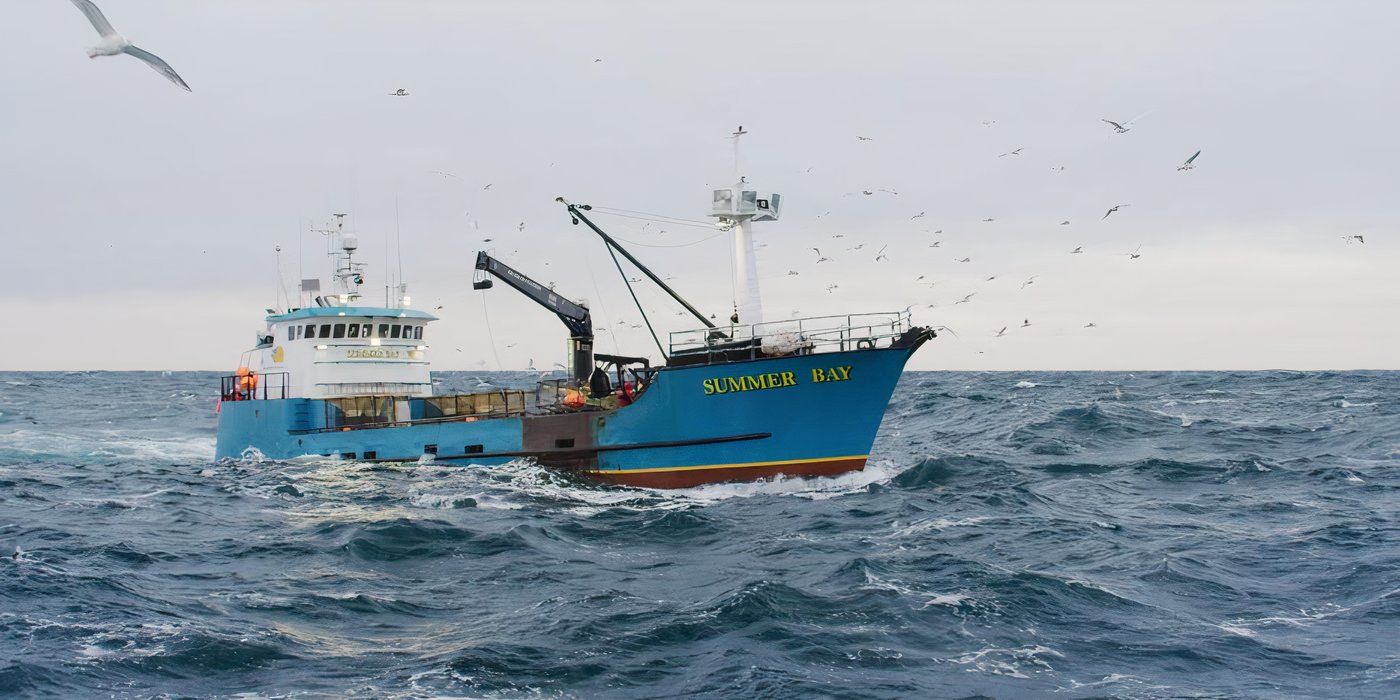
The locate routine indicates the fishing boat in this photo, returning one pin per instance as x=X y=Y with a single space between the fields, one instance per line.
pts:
x=748 y=400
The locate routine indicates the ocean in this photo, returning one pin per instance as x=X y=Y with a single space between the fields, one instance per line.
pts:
x=1029 y=534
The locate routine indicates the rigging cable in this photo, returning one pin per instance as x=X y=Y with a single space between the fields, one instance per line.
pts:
x=636 y=301
x=490 y=337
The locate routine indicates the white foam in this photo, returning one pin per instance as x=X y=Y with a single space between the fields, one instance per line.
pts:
x=1026 y=385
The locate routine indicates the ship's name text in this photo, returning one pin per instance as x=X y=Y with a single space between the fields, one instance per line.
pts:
x=771 y=380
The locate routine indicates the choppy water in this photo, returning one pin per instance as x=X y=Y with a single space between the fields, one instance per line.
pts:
x=1079 y=534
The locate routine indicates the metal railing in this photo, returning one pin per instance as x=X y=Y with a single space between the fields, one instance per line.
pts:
x=799 y=336
x=274 y=385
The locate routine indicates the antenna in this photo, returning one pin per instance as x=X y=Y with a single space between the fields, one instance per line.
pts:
x=285 y=299
x=737 y=133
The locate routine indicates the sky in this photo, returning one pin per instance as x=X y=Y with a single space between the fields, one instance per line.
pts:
x=140 y=222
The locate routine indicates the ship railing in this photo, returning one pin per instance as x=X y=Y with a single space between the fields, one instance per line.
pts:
x=798 y=336
x=274 y=385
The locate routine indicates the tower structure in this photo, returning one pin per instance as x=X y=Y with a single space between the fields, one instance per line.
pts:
x=736 y=208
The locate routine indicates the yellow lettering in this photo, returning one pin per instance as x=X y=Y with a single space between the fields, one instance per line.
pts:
x=709 y=385
x=789 y=379
x=734 y=384
x=845 y=372
x=818 y=376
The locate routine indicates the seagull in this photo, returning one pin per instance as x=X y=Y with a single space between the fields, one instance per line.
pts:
x=1188 y=164
x=1026 y=323
x=1358 y=238
x=438 y=307
x=740 y=131
x=966 y=299
x=858 y=246
x=838 y=235
x=521 y=227
x=1117 y=128
x=1077 y=250
x=1135 y=254
x=881 y=255
x=597 y=60
x=1029 y=282
x=1090 y=325
x=1065 y=222
x=113 y=43
x=989 y=279
x=1016 y=152
x=919 y=215
x=864 y=138
x=988 y=220
x=1000 y=333
x=1057 y=169
x=989 y=123
x=935 y=244
x=1114 y=208
x=488 y=186
x=830 y=288
x=965 y=260
x=889 y=192
x=399 y=93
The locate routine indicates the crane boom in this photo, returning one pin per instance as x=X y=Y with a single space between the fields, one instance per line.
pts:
x=575 y=316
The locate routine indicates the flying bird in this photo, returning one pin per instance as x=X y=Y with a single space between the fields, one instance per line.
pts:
x=792 y=273
x=739 y=131
x=1135 y=254
x=989 y=279
x=966 y=299
x=965 y=260
x=488 y=186
x=830 y=288
x=864 y=138
x=521 y=227
x=820 y=258
x=1112 y=209
x=1188 y=164
x=1029 y=282
x=988 y=220
x=919 y=215
x=1026 y=323
x=113 y=43
x=1065 y=222
x=880 y=255
x=1117 y=128
x=1016 y=152
x=399 y=93
x=1001 y=332
x=1090 y=325
x=935 y=244
x=1077 y=250
x=1358 y=238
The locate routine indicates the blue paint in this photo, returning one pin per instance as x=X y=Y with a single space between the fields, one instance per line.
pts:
x=808 y=420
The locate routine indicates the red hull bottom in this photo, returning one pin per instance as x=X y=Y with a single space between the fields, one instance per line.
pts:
x=687 y=477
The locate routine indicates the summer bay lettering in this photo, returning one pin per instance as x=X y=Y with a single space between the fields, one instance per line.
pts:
x=371 y=353
x=771 y=380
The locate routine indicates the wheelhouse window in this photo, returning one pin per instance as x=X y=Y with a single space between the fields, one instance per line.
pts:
x=353 y=331
x=291 y=333
x=310 y=331
x=383 y=330
x=365 y=330
x=417 y=332
x=395 y=330
x=325 y=330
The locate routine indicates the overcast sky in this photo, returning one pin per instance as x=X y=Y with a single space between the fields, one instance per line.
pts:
x=139 y=221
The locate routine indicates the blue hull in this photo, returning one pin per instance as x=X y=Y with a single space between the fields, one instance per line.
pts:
x=797 y=415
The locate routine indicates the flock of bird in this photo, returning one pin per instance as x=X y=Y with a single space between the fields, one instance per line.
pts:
x=112 y=43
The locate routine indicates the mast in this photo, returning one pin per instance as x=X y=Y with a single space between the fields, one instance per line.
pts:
x=737 y=208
